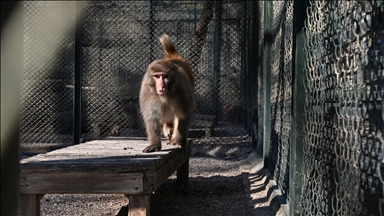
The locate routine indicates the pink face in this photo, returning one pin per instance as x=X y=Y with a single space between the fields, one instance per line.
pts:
x=161 y=83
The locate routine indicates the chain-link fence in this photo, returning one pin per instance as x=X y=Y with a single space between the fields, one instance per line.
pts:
x=337 y=165
x=343 y=162
x=48 y=74
x=281 y=92
x=119 y=40
x=322 y=144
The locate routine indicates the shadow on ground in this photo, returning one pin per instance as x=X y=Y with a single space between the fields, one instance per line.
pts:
x=243 y=194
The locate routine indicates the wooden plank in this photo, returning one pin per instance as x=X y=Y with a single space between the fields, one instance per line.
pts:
x=204 y=121
x=97 y=156
x=183 y=174
x=165 y=171
x=126 y=183
x=101 y=166
x=139 y=205
x=91 y=166
x=29 y=204
x=121 y=145
x=107 y=155
x=101 y=153
x=148 y=182
x=98 y=149
x=205 y=117
x=86 y=158
x=94 y=165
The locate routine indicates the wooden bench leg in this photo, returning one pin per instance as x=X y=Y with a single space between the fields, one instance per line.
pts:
x=29 y=204
x=183 y=174
x=139 y=205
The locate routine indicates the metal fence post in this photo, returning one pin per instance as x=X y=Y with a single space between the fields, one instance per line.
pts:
x=216 y=55
x=245 y=93
x=78 y=75
x=268 y=38
x=151 y=30
x=296 y=147
x=253 y=62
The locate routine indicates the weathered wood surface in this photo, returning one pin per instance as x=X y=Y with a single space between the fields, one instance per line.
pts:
x=110 y=155
x=124 y=183
x=139 y=205
x=112 y=165
x=206 y=122
x=29 y=204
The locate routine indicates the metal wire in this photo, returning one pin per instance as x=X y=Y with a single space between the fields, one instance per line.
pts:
x=120 y=39
x=344 y=108
x=344 y=53
x=280 y=93
x=47 y=78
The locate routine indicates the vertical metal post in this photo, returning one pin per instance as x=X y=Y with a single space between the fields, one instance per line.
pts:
x=78 y=74
x=195 y=15
x=268 y=39
x=151 y=30
x=253 y=66
x=216 y=56
x=246 y=90
x=297 y=143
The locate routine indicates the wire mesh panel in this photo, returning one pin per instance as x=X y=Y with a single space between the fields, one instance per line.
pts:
x=115 y=51
x=47 y=78
x=120 y=39
x=281 y=93
x=343 y=166
x=254 y=79
x=241 y=55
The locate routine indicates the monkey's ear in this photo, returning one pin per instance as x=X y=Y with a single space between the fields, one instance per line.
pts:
x=147 y=80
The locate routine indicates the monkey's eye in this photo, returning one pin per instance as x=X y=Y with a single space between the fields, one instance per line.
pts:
x=161 y=76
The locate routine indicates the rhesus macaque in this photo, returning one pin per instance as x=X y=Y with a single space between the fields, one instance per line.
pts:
x=167 y=98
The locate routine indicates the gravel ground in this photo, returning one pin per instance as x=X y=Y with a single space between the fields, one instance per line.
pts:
x=218 y=185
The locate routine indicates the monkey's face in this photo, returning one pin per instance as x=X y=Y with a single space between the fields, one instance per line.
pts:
x=162 y=81
x=161 y=77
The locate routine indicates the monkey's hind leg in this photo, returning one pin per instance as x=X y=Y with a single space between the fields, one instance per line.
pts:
x=173 y=139
x=167 y=132
x=180 y=134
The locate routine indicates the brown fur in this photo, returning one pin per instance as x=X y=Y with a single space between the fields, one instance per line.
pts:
x=171 y=54
x=174 y=108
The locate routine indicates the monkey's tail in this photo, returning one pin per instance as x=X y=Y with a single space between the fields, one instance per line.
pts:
x=169 y=48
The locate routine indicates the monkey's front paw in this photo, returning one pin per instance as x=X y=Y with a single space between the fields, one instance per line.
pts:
x=169 y=138
x=152 y=148
x=171 y=141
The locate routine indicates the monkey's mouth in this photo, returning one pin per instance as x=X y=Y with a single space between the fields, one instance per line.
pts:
x=161 y=91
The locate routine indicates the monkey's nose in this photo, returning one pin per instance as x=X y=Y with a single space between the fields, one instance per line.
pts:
x=163 y=82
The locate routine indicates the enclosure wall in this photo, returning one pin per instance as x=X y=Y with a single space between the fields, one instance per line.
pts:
x=300 y=81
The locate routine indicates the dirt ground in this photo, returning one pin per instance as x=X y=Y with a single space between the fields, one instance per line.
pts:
x=224 y=180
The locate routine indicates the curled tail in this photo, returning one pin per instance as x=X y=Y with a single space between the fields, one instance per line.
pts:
x=169 y=48
x=171 y=54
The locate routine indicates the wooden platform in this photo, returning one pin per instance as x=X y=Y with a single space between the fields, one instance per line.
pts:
x=205 y=122
x=112 y=165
